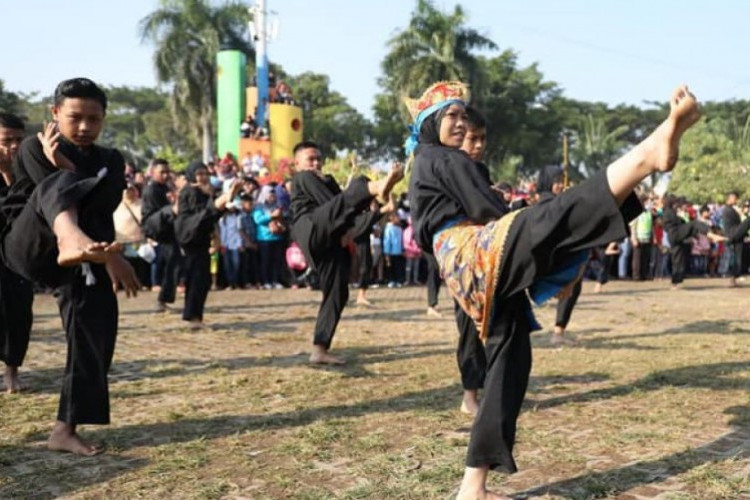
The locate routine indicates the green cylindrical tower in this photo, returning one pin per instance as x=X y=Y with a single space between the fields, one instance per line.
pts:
x=230 y=96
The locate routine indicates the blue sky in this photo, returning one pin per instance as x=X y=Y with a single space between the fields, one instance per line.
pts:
x=612 y=51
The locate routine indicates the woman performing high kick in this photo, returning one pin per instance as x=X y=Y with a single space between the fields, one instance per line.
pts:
x=490 y=257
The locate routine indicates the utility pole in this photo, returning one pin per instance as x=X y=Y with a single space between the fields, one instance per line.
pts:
x=261 y=60
x=566 y=163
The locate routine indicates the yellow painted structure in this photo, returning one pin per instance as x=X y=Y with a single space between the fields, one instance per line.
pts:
x=285 y=122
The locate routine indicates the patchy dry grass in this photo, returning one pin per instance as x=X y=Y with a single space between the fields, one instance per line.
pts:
x=653 y=402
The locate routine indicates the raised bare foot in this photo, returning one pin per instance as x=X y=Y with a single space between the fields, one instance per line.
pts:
x=63 y=439
x=11 y=380
x=394 y=176
x=320 y=356
x=684 y=112
x=598 y=288
x=434 y=313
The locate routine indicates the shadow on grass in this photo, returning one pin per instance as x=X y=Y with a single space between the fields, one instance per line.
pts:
x=62 y=473
x=48 y=380
x=696 y=327
x=189 y=429
x=711 y=376
x=734 y=445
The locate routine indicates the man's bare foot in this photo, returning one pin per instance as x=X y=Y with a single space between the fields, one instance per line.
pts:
x=394 y=176
x=364 y=302
x=561 y=340
x=470 y=405
x=11 y=381
x=65 y=438
x=473 y=485
x=684 y=112
x=195 y=324
x=598 y=288
x=320 y=356
x=434 y=313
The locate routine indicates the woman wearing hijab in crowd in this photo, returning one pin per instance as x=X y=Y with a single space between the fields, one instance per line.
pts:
x=549 y=185
x=195 y=224
x=59 y=232
x=490 y=257
x=679 y=231
x=267 y=215
x=325 y=220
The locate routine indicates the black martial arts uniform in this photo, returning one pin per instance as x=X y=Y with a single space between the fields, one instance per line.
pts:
x=735 y=230
x=678 y=231
x=194 y=225
x=322 y=215
x=472 y=361
x=444 y=187
x=157 y=221
x=88 y=305
x=364 y=259
x=16 y=316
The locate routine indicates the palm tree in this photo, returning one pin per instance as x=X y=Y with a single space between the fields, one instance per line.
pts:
x=435 y=46
x=594 y=145
x=187 y=35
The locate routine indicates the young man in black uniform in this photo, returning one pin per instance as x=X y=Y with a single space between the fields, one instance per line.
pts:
x=472 y=361
x=16 y=293
x=158 y=224
x=325 y=219
x=58 y=231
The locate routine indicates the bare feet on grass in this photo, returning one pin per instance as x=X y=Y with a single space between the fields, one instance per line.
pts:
x=320 y=356
x=684 y=112
x=434 y=313
x=470 y=404
x=65 y=438
x=11 y=380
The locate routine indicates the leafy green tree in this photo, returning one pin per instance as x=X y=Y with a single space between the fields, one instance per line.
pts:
x=595 y=145
x=435 y=46
x=525 y=114
x=711 y=163
x=10 y=102
x=328 y=118
x=187 y=35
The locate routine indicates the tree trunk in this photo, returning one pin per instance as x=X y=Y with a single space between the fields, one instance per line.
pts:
x=208 y=138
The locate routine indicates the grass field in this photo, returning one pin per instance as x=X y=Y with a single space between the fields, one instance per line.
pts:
x=653 y=402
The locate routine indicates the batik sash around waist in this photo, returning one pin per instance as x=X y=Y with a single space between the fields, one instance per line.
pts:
x=469 y=256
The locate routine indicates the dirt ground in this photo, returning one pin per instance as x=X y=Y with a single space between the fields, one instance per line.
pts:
x=653 y=402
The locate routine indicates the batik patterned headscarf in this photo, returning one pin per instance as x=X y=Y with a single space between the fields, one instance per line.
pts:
x=428 y=109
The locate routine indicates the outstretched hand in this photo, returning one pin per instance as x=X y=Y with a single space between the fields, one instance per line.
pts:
x=50 y=140
x=122 y=273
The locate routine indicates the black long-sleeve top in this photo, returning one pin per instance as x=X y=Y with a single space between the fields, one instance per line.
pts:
x=154 y=197
x=730 y=219
x=309 y=191
x=196 y=219
x=157 y=220
x=446 y=184
x=31 y=166
x=678 y=230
